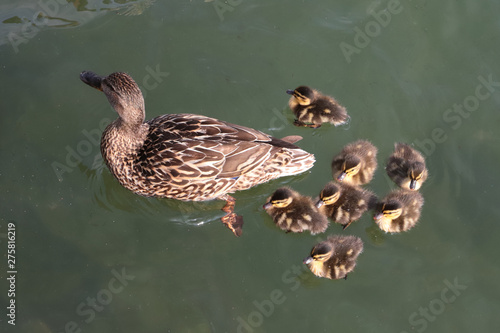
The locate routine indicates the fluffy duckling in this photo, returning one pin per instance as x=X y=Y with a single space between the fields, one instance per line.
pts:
x=399 y=211
x=406 y=167
x=344 y=203
x=336 y=257
x=294 y=212
x=356 y=163
x=311 y=108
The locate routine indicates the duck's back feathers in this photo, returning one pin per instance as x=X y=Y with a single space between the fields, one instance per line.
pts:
x=191 y=157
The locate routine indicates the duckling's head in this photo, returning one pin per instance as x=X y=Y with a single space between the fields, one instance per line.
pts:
x=321 y=253
x=389 y=210
x=122 y=92
x=303 y=94
x=281 y=198
x=329 y=195
x=350 y=167
x=416 y=173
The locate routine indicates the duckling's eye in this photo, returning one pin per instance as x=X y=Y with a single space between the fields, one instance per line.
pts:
x=351 y=170
x=416 y=177
x=320 y=257
x=303 y=100
x=281 y=203
x=331 y=199
x=391 y=213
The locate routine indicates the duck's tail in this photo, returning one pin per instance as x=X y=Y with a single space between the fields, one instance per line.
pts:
x=285 y=162
x=300 y=161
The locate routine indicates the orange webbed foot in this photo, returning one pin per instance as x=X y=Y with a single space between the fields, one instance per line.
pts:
x=231 y=220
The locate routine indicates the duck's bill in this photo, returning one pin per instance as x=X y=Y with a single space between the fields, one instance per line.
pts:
x=92 y=79
x=413 y=184
x=267 y=205
x=289 y=91
x=341 y=176
x=319 y=203
x=307 y=260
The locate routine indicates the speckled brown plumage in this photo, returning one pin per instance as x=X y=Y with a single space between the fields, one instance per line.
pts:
x=335 y=257
x=184 y=156
x=196 y=158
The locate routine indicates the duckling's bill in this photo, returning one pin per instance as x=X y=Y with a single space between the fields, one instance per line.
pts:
x=319 y=203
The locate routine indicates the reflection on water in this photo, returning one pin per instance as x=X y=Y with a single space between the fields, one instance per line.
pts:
x=107 y=193
x=77 y=224
x=21 y=21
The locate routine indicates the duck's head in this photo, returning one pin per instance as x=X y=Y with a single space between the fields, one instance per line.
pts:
x=350 y=167
x=303 y=94
x=329 y=195
x=416 y=173
x=321 y=253
x=122 y=92
x=390 y=210
x=281 y=198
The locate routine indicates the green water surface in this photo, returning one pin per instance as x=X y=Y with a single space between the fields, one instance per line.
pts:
x=94 y=257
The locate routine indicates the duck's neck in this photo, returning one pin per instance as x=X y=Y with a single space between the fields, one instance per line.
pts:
x=130 y=129
x=120 y=145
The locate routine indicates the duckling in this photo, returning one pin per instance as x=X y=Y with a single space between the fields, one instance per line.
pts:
x=185 y=156
x=294 y=212
x=344 y=203
x=398 y=211
x=336 y=257
x=311 y=108
x=406 y=167
x=356 y=163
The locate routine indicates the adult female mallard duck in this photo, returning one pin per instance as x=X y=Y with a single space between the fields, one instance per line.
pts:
x=336 y=257
x=311 y=108
x=356 y=163
x=398 y=211
x=188 y=157
x=406 y=167
x=344 y=203
x=294 y=212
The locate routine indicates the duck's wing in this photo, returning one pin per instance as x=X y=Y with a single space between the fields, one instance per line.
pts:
x=197 y=147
